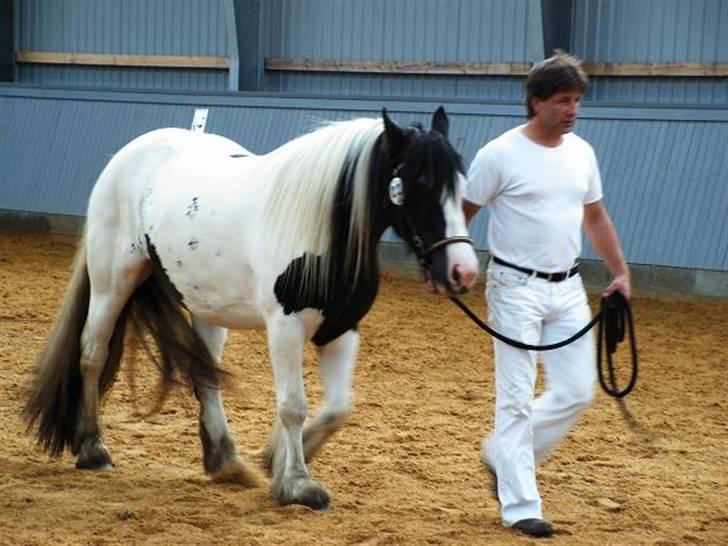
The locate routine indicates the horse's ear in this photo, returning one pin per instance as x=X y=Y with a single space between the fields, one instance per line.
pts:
x=440 y=122
x=394 y=137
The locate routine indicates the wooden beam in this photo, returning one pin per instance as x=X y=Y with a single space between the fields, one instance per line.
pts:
x=397 y=67
x=370 y=67
x=657 y=69
x=491 y=69
x=103 y=59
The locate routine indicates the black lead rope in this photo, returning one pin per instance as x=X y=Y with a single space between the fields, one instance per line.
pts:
x=614 y=315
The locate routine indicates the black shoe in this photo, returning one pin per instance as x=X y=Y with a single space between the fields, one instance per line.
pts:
x=535 y=527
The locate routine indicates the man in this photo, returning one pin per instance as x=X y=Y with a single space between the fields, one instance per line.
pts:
x=541 y=183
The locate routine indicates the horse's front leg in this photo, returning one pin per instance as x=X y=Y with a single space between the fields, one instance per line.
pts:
x=337 y=360
x=220 y=458
x=291 y=481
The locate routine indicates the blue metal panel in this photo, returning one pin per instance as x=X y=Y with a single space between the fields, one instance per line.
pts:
x=168 y=79
x=150 y=27
x=659 y=90
x=52 y=151
x=402 y=30
x=494 y=88
x=651 y=31
x=664 y=170
x=666 y=188
x=405 y=30
x=129 y=27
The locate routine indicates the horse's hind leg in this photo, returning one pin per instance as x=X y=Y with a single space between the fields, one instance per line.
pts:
x=113 y=280
x=337 y=360
x=220 y=458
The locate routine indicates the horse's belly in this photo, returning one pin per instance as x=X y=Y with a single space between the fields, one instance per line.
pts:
x=218 y=290
x=196 y=225
x=236 y=317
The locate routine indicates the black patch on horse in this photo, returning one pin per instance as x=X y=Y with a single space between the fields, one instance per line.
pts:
x=428 y=166
x=349 y=295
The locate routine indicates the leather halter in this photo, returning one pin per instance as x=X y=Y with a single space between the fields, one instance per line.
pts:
x=422 y=253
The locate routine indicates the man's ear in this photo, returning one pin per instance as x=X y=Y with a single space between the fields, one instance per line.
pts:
x=394 y=137
x=440 y=122
x=534 y=104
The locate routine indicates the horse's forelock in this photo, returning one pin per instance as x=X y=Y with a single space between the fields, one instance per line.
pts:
x=431 y=156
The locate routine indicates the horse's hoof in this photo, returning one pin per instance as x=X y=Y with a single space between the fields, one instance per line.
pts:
x=94 y=464
x=320 y=501
x=308 y=494
x=93 y=455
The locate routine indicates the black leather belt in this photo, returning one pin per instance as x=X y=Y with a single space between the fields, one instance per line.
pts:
x=551 y=277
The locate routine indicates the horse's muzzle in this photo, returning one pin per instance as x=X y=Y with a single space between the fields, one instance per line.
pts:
x=453 y=265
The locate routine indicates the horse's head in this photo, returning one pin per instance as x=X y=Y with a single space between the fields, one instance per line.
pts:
x=425 y=177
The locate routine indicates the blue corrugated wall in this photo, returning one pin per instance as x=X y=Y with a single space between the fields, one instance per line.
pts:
x=402 y=30
x=653 y=31
x=664 y=170
x=128 y=27
x=488 y=31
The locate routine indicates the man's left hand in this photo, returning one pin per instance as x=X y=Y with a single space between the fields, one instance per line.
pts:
x=622 y=284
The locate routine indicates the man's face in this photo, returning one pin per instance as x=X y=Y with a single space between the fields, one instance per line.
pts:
x=557 y=114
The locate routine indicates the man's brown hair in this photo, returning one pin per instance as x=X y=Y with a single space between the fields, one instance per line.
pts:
x=561 y=72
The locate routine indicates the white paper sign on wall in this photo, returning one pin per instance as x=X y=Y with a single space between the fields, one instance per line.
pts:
x=199 y=120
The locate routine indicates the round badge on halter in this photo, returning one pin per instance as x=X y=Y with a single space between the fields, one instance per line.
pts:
x=396 y=191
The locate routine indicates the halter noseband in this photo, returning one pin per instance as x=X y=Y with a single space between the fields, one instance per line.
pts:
x=422 y=253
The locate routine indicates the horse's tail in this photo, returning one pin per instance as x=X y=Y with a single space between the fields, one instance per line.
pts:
x=55 y=394
x=157 y=308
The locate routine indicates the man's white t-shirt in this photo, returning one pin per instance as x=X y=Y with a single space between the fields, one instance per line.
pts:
x=536 y=196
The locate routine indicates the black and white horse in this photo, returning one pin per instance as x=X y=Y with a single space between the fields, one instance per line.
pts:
x=189 y=234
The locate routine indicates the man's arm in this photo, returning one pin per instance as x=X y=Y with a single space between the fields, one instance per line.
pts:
x=598 y=227
x=469 y=210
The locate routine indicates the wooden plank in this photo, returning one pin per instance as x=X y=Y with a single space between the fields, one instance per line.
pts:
x=397 y=67
x=492 y=69
x=103 y=59
x=657 y=69
x=370 y=67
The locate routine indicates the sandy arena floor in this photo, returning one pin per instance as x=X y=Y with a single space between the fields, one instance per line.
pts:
x=405 y=469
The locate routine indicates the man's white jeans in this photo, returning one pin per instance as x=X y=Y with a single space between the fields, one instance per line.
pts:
x=535 y=311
